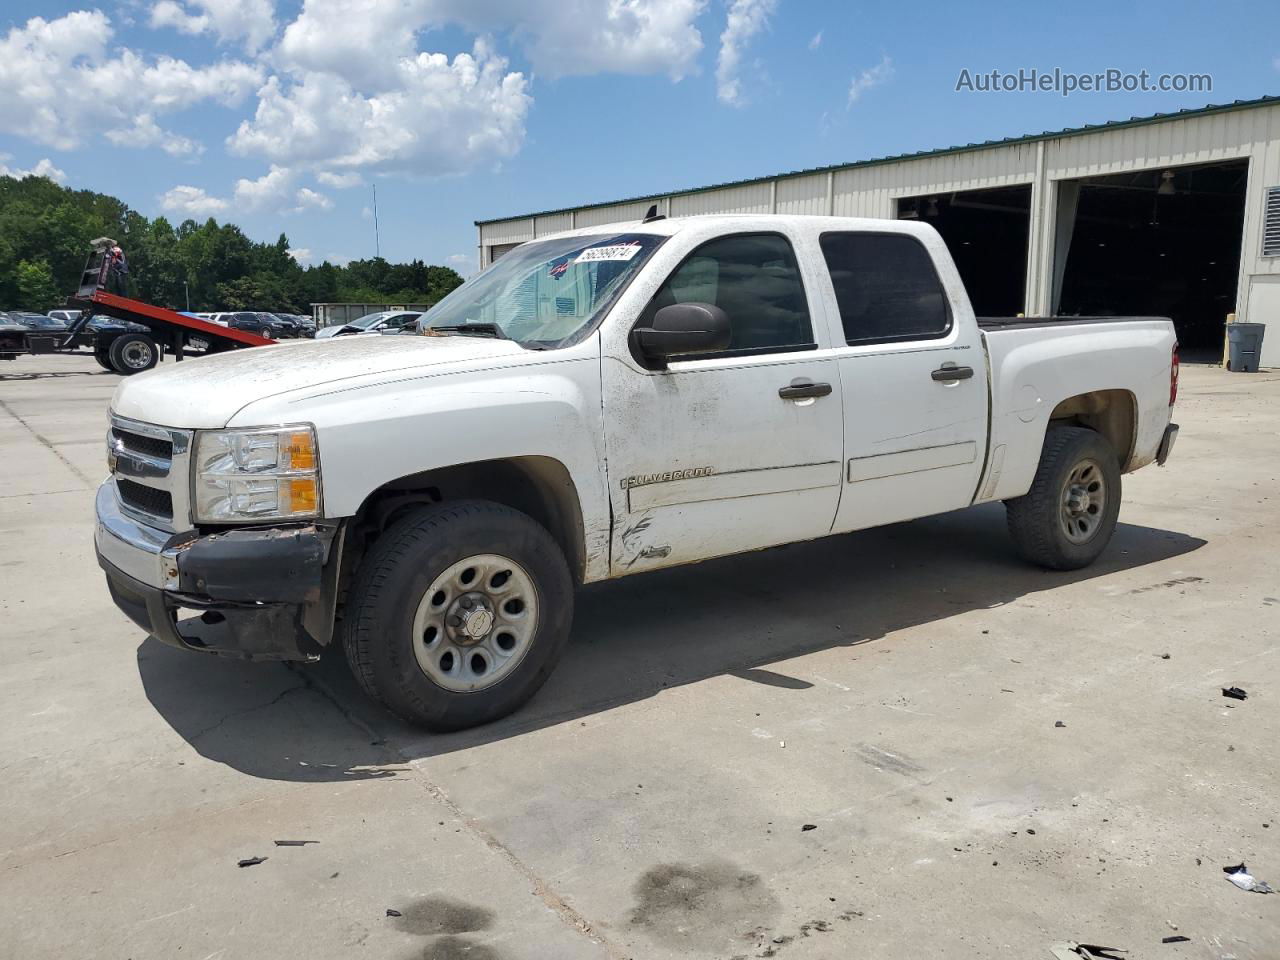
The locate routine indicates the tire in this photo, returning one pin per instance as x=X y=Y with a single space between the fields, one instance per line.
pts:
x=404 y=649
x=103 y=357
x=1059 y=523
x=132 y=353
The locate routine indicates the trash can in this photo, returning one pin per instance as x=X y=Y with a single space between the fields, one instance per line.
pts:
x=1244 y=341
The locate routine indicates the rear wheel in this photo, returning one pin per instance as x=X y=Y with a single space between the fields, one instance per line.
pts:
x=1066 y=519
x=133 y=353
x=458 y=614
x=103 y=356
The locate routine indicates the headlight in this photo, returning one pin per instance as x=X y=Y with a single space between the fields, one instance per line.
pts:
x=256 y=475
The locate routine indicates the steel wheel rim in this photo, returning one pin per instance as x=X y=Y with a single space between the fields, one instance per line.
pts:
x=475 y=623
x=1084 y=501
x=136 y=355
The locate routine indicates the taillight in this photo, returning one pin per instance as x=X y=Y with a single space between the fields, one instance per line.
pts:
x=1173 y=377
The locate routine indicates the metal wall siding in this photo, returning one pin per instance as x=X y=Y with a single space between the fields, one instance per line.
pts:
x=749 y=198
x=617 y=212
x=803 y=195
x=553 y=223
x=507 y=231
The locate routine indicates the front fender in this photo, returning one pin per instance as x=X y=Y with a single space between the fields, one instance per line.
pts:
x=375 y=433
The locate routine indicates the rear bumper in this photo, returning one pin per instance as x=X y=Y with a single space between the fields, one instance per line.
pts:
x=265 y=594
x=1166 y=443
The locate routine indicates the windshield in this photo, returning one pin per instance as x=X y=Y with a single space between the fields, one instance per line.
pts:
x=542 y=293
x=367 y=321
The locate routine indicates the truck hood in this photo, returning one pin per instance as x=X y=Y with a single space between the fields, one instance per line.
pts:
x=206 y=392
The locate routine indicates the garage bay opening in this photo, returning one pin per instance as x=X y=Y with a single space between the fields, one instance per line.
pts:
x=986 y=232
x=1164 y=241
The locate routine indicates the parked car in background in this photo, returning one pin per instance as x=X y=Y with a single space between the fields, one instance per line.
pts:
x=66 y=316
x=263 y=324
x=308 y=324
x=39 y=321
x=288 y=325
x=388 y=321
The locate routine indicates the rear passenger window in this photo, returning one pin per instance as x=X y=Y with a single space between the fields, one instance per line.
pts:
x=886 y=287
x=752 y=277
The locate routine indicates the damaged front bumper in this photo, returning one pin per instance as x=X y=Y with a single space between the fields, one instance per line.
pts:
x=263 y=594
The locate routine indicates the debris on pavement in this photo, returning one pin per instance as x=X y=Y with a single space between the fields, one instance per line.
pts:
x=1235 y=693
x=251 y=861
x=393 y=913
x=1242 y=878
x=809 y=826
x=294 y=843
x=1178 y=939
x=1058 y=723
x=1069 y=950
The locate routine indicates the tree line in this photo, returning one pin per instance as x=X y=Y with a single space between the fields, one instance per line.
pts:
x=46 y=229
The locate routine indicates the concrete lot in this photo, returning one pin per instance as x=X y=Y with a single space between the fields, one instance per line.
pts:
x=898 y=689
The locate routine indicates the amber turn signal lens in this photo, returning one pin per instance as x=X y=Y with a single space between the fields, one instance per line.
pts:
x=302 y=495
x=298 y=450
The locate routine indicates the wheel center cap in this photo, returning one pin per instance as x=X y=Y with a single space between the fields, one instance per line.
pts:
x=477 y=622
x=1078 y=500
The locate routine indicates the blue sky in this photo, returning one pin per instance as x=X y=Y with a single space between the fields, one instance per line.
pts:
x=281 y=115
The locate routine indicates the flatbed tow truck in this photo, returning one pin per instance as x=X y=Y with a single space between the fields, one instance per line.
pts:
x=136 y=344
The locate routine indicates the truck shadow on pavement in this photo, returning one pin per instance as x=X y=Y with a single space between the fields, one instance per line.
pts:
x=633 y=638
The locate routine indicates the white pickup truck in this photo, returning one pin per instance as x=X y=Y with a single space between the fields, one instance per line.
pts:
x=595 y=404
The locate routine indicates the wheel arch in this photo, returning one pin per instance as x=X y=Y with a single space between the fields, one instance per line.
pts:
x=1112 y=413
x=538 y=486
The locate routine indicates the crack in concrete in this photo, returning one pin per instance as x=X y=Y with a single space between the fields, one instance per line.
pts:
x=543 y=890
x=89 y=484
x=246 y=711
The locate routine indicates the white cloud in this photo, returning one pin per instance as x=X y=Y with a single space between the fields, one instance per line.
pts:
x=441 y=117
x=871 y=77
x=61 y=85
x=43 y=168
x=270 y=191
x=308 y=199
x=192 y=202
x=249 y=21
x=274 y=192
x=746 y=19
x=145 y=132
x=302 y=255
x=363 y=40
x=816 y=42
x=461 y=259
x=339 y=181
x=366 y=213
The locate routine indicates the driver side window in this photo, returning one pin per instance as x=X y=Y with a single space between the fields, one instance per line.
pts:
x=752 y=277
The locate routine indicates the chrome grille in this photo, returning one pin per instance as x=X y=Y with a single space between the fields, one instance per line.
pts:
x=151 y=467
x=148 y=500
x=140 y=443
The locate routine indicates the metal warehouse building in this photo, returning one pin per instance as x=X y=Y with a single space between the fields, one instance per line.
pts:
x=1174 y=214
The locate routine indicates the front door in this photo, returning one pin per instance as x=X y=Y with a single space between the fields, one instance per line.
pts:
x=734 y=451
x=914 y=380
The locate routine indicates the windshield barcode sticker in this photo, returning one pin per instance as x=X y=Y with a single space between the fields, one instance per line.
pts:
x=618 y=251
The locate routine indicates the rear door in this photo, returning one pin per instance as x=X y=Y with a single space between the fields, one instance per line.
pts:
x=913 y=376
x=734 y=451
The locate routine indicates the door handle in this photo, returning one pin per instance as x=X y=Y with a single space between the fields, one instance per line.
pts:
x=802 y=388
x=949 y=372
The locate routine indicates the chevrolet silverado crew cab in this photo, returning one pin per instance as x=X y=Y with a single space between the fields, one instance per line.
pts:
x=595 y=404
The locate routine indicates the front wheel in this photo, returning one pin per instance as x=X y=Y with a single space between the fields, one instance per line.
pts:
x=1066 y=519
x=458 y=614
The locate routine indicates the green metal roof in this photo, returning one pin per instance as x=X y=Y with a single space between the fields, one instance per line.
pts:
x=960 y=148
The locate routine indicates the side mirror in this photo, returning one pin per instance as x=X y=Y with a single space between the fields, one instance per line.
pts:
x=682 y=329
